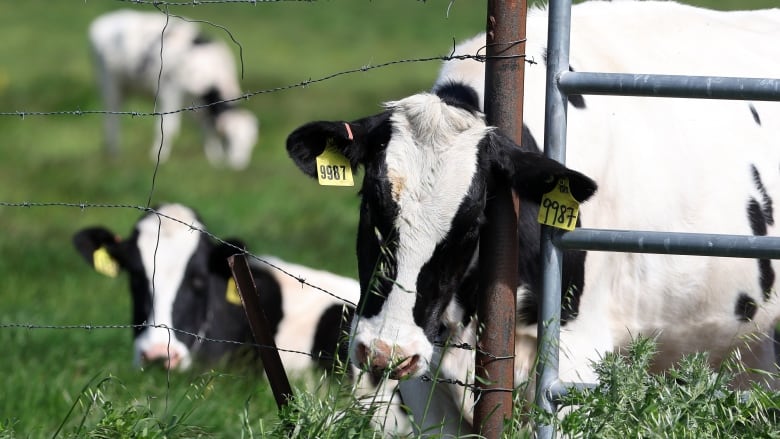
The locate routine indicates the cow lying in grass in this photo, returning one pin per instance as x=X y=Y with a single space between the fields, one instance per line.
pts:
x=670 y=165
x=169 y=58
x=180 y=280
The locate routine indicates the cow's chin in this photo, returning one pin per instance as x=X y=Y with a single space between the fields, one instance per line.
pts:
x=398 y=352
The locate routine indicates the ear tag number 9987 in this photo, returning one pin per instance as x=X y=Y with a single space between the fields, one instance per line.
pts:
x=333 y=169
x=559 y=208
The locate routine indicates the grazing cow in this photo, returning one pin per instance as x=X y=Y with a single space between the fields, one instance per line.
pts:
x=170 y=58
x=179 y=278
x=674 y=165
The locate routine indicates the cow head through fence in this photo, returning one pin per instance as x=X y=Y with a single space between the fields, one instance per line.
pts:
x=430 y=161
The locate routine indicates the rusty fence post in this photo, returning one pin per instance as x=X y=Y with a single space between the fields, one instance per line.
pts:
x=504 y=77
x=258 y=322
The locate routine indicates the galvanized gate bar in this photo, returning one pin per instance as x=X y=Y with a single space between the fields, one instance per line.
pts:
x=672 y=86
x=552 y=257
x=701 y=244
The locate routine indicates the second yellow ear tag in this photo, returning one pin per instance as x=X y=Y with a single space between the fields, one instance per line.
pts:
x=333 y=169
x=231 y=293
x=104 y=263
x=559 y=208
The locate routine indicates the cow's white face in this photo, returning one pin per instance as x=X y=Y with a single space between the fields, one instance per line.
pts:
x=172 y=281
x=430 y=168
x=167 y=249
x=430 y=161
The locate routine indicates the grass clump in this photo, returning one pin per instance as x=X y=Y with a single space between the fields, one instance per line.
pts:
x=330 y=411
x=690 y=400
x=107 y=412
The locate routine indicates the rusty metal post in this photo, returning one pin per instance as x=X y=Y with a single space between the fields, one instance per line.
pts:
x=504 y=76
x=258 y=322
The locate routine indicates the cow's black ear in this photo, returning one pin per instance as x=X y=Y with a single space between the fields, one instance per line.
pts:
x=531 y=173
x=356 y=140
x=101 y=248
x=218 y=258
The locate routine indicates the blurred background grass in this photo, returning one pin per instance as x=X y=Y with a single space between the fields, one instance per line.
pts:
x=45 y=66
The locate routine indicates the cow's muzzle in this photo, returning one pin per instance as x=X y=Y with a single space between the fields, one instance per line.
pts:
x=379 y=357
x=166 y=355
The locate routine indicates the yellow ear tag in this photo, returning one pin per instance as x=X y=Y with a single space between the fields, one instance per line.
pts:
x=104 y=263
x=333 y=169
x=559 y=208
x=231 y=293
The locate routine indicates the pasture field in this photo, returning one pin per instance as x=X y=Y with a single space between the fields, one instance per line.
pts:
x=58 y=159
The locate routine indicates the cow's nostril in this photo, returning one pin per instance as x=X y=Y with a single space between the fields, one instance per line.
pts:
x=361 y=354
x=375 y=358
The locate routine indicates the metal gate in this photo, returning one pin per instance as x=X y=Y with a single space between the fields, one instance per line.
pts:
x=560 y=83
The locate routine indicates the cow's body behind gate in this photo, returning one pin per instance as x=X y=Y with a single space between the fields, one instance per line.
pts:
x=671 y=165
x=681 y=165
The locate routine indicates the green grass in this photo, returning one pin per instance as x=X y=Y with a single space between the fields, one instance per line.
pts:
x=46 y=67
x=690 y=400
x=271 y=205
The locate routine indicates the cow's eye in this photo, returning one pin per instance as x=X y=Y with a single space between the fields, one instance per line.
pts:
x=199 y=283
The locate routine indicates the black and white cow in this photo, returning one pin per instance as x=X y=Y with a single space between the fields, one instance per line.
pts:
x=180 y=279
x=141 y=50
x=669 y=165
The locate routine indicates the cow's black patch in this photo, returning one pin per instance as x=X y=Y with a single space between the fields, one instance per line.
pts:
x=756 y=218
x=745 y=308
x=192 y=301
x=754 y=112
x=459 y=95
x=766 y=277
x=215 y=101
x=760 y=216
x=377 y=240
x=328 y=341
x=201 y=39
x=444 y=274
x=767 y=208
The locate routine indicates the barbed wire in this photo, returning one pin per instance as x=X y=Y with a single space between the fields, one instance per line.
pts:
x=198 y=337
x=239 y=250
x=247 y=96
x=201 y=338
x=206 y=2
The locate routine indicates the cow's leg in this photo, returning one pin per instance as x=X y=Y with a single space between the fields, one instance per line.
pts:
x=111 y=95
x=213 y=145
x=169 y=101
